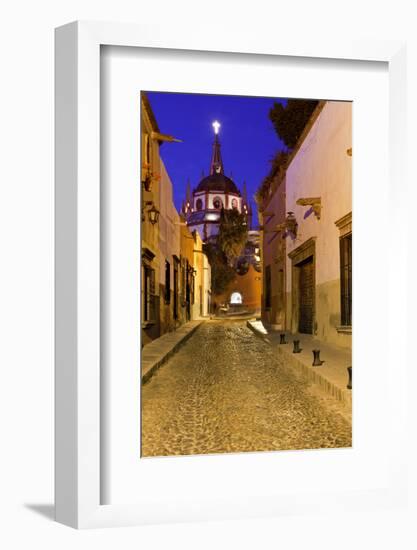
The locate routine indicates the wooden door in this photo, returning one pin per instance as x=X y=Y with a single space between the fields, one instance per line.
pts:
x=175 y=289
x=306 y=296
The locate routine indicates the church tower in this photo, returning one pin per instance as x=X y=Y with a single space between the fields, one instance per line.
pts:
x=216 y=165
x=203 y=206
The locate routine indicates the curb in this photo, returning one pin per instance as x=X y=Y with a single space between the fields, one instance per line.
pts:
x=311 y=374
x=159 y=362
x=257 y=333
x=315 y=376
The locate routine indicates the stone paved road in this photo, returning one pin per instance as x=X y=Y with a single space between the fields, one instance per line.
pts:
x=226 y=390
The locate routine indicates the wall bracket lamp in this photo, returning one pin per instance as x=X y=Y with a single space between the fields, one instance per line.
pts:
x=153 y=214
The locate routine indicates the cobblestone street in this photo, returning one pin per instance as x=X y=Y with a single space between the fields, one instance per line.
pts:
x=226 y=390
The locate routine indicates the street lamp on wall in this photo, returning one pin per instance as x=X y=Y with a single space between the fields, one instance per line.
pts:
x=291 y=224
x=192 y=271
x=153 y=215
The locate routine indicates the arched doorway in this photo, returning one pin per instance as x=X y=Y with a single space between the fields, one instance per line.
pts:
x=236 y=298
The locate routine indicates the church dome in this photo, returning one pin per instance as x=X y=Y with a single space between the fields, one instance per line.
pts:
x=218 y=182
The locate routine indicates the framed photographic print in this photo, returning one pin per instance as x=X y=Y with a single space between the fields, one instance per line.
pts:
x=217 y=324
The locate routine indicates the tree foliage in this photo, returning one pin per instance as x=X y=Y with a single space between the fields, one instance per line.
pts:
x=221 y=272
x=289 y=121
x=278 y=167
x=224 y=251
x=233 y=234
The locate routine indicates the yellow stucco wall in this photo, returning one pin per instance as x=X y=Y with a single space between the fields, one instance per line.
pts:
x=169 y=246
x=322 y=168
x=249 y=285
x=202 y=279
x=149 y=232
x=168 y=240
x=274 y=252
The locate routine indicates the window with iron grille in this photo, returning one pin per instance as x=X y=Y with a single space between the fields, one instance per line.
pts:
x=268 y=286
x=346 y=279
x=167 y=282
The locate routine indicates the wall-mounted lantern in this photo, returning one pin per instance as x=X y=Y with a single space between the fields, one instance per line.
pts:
x=149 y=177
x=153 y=215
x=191 y=271
x=291 y=224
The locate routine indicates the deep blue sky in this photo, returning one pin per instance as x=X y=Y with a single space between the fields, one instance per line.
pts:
x=248 y=139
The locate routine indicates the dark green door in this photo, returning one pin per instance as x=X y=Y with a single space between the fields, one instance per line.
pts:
x=306 y=296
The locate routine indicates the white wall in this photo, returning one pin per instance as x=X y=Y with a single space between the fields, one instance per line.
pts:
x=213 y=229
x=169 y=228
x=223 y=197
x=322 y=168
x=26 y=227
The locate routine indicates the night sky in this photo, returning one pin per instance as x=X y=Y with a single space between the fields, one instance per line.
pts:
x=248 y=139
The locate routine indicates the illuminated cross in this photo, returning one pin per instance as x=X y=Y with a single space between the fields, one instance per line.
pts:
x=216 y=125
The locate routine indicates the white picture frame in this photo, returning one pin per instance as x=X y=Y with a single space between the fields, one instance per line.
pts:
x=78 y=406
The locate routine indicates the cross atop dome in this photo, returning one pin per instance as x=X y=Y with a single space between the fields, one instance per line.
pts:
x=216 y=166
x=216 y=125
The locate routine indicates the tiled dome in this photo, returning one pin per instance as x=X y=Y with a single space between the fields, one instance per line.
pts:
x=218 y=182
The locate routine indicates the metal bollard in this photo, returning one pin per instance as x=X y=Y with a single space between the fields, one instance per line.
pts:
x=282 y=339
x=297 y=348
x=349 y=384
x=317 y=361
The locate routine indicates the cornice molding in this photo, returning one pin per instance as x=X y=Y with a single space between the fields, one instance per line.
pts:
x=305 y=249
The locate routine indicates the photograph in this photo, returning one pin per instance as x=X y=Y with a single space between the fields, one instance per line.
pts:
x=246 y=273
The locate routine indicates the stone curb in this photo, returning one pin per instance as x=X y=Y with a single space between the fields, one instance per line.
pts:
x=164 y=356
x=258 y=333
x=311 y=374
